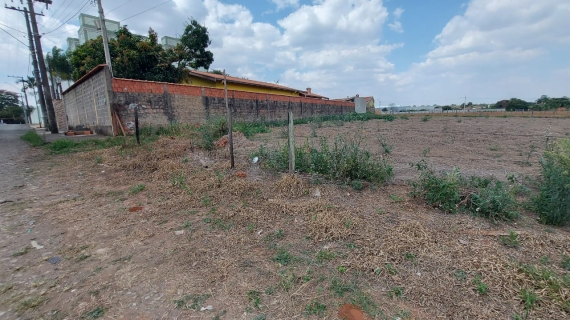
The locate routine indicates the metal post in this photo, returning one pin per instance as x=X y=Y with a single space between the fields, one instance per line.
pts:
x=42 y=65
x=105 y=37
x=230 y=123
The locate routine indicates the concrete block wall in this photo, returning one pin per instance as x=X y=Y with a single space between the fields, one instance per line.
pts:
x=87 y=102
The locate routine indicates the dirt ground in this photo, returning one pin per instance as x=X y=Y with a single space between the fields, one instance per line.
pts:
x=164 y=230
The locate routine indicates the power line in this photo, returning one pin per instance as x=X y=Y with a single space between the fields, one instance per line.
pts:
x=73 y=16
x=14 y=37
x=53 y=16
x=5 y=26
x=165 y=2
x=120 y=6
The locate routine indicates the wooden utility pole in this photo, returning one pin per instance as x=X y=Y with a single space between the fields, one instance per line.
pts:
x=42 y=65
x=35 y=65
x=230 y=122
x=105 y=37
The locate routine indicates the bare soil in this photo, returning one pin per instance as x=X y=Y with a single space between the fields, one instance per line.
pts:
x=275 y=245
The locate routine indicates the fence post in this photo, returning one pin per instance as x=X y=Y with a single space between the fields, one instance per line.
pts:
x=137 y=133
x=291 y=143
x=230 y=133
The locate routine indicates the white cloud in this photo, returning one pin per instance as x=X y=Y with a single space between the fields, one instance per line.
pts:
x=282 y=4
x=396 y=25
x=493 y=51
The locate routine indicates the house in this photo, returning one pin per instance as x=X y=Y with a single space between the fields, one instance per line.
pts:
x=369 y=101
x=215 y=80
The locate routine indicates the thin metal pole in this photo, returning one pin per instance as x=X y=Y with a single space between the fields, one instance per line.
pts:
x=230 y=129
x=137 y=133
x=291 y=143
x=105 y=37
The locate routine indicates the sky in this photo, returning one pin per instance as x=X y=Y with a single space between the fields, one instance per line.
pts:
x=406 y=52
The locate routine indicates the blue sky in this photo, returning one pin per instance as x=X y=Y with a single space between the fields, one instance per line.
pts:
x=399 y=51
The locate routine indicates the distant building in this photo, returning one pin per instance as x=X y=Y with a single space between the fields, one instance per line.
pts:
x=90 y=28
x=369 y=101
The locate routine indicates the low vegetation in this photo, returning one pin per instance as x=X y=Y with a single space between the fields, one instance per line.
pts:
x=33 y=138
x=342 y=160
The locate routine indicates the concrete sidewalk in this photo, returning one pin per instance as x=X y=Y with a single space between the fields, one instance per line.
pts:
x=49 y=137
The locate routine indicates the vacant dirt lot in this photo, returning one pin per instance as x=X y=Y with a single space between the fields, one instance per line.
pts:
x=164 y=230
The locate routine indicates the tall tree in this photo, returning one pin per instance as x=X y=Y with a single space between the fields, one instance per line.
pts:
x=137 y=57
x=58 y=64
x=9 y=105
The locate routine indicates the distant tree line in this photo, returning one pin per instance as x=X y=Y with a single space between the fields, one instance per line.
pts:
x=542 y=103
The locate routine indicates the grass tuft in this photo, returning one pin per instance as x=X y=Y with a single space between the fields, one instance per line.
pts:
x=33 y=138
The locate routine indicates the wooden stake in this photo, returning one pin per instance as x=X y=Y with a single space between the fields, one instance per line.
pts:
x=230 y=130
x=291 y=144
x=137 y=133
x=120 y=124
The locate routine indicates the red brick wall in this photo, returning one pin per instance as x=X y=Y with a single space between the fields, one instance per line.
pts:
x=161 y=103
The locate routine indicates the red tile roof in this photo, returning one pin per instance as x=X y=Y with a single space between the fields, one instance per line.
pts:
x=220 y=77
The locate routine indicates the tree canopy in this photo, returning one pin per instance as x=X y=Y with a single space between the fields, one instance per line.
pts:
x=9 y=105
x=58 y=64
x=142 y=58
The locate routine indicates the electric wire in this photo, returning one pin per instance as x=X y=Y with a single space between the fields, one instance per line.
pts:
x=73 y=16
x=129 y=1
x=14 y=37
x=6 y=26
x=165 y=2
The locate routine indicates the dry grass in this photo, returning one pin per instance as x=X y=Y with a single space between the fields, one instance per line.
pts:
x=278 y=236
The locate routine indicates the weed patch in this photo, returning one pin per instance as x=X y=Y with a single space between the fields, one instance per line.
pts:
x=33 y=138
x=344 y=161
x=315 y=308
x=137 y=189
x=192 y=301
x=552 y=202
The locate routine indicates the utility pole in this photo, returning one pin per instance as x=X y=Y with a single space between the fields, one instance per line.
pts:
x=105 y=39
x=465 y=103
x=26 y=111
x=35 y=64
x=42 y=65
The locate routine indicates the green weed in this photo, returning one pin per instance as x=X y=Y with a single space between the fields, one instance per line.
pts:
x=192 y=301
x=315 y=308
x=345 y=160
x=94 y=314
x=254 y=297
x=480 y=285
x=33 y=138
x=552 y=202
x=283 y=257
x=565 y=264
x=396 y=292
x=138 y=188
x=340 y=287
x=511 y=240
x=529 y=298
x=324 y=256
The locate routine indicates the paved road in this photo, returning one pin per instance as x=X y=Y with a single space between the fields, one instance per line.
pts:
x=11 y=154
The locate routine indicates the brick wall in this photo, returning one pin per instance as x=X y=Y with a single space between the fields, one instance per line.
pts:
x=60 y=115
x=163 y=103
x=87 y=102
x=91 y=100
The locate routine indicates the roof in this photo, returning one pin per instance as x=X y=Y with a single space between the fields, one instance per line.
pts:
x=367 y=99
x=85 y=77
x=220 y=77
x=313 y=95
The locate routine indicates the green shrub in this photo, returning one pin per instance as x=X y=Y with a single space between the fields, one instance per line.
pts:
x=33 y=138
x=249 y=129
x=441 y=191
x=494 y=201
x=211 y=131
x=553 y=200
x=450 y=191
x=345 y=160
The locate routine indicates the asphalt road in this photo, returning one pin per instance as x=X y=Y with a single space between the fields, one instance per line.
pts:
x=11 y=155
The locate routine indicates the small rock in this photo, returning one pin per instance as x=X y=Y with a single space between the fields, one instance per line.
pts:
x=36 y=245
x=259 y=232
x=179 y=232
x=419 y=274
x=463 y=241
x=255 y=160
x=317 y=193
x=54 y=260
x=209 y=308
x=72 y=291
